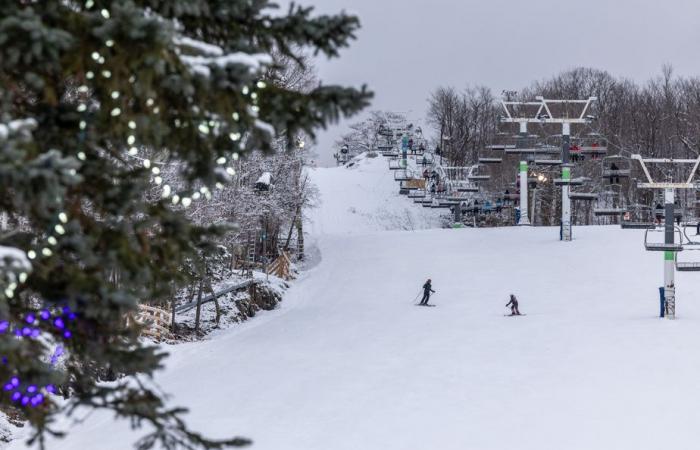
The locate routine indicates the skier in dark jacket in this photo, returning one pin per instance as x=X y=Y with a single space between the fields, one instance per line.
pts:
x=513 y=303
x=427 y=289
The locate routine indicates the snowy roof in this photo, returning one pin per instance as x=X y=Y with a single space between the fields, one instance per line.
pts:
x=265 y=178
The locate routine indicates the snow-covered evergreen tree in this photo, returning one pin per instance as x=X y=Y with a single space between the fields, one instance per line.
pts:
x=97 y=99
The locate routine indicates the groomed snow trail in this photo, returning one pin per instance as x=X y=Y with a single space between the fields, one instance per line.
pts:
x=349 y=363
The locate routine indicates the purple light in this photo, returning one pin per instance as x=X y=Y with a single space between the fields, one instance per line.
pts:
x=45 y=314
x=67 y=334
x=71 y=316
x=16 y=396
x=26 y=331
x=4 y=325
x=36 y=332
x=31 y=389
x=66 y=310
x=25 y=400
x=37 y=399
x=50 y=388
x=58 y=322
x=4 y=360
x=18 y=332
x=30 y=318
x=9 y=387
x=14 y=381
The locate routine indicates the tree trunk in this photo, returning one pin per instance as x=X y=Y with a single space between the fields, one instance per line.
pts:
x=216 y=302
x=199 y=307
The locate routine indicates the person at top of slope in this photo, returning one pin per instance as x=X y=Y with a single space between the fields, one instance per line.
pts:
x=513 y=303
x=427 y=289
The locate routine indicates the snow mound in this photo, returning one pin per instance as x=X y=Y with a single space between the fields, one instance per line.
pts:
x=363 y=197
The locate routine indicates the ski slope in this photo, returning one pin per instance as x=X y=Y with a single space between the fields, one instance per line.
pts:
x=347 y=362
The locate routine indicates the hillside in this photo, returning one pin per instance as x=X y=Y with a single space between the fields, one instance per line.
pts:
x=347 y=362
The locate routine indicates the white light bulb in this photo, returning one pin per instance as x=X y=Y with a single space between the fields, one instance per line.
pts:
x=219 y=186
x=155 y=170
x=149 y=102
x=221 y=161
x=261 y=85
x=158 y=180
x=82 y=107
x=166 y=191
x=132 y=124
x=23 y=277
x=196 y=196
x=105 y=13
x=46 y=251
x=82 y=124
x=89 y=4
x=235 y=116
x=230 y=171
x=203 y=128
x=101 y=60
x=186 y=202
x=89 y=75
x=235 y=156
x=31 y=254
x=9 y=293
x=106 y=73
x=81 y=156
x=131 y=139
x=52 y=240
x=147 y=163
x=95 y=56
x=63 y=217
x=59 y=229
x=245 y=90
x=115 y=94
x=156 y=110
x=133 y=151
x=83 y=89
x=176 y=198
x=109 y=43
x=115 y=112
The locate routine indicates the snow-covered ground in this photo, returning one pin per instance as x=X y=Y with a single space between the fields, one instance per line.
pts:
x=347 y=362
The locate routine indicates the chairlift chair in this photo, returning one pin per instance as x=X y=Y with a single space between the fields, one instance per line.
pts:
x=594 y=144
x=661 y=246
x=397 y=164
x=583 y=196
x=615 y=167
x=403 y=175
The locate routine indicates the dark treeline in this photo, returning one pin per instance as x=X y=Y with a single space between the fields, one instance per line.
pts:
x=658 y=118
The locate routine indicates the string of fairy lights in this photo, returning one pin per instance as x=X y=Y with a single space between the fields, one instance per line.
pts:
x=31 y=395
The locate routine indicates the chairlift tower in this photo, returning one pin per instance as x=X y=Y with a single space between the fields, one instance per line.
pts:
x=669 y=247
x=543 y=114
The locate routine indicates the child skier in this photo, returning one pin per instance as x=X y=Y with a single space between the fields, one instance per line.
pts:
x=427 y=289
x=513 y=303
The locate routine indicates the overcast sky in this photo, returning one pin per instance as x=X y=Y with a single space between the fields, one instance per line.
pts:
x=406 y=48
